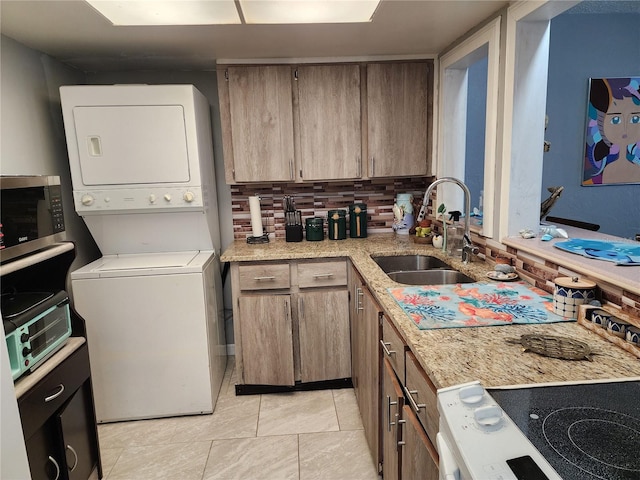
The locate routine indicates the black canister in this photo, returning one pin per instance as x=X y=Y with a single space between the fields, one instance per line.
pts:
x=358 y=220
x=315 y=229
x=337 y=224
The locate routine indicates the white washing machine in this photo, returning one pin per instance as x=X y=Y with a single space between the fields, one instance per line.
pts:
x=155 y=332
x=141 y=161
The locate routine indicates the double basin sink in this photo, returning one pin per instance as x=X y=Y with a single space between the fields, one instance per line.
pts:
x=420 y=270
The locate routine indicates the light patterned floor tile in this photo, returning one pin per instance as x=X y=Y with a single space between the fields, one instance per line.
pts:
x=233 y=417
x=109 y=456
x=335 y=455
x=297 y=412
x=179 y=461
x=264 y=458
x=136 y=433
x=347 y=409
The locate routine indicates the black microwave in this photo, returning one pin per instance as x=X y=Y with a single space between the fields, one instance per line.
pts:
x=31 y=216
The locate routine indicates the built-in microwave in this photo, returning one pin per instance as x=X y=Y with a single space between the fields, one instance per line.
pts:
x=31 y=216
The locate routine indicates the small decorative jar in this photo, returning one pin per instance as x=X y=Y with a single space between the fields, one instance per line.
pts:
x=315 y=229
x=358 y=220
x=337 y=224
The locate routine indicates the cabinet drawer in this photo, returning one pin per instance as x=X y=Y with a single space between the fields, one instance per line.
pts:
x=322 y=274
x=39 y=403
x=421 y=396
x=265 y=276
x=393 y=348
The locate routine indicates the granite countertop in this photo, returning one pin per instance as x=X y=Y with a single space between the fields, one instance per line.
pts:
x=453 y=356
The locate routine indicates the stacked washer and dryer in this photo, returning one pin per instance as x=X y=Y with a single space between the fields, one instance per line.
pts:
x=141 y=161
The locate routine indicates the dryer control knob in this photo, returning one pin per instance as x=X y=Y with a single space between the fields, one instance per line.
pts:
x=152 y=198
x=87 y=200
x=189 y=197
x=167 y=197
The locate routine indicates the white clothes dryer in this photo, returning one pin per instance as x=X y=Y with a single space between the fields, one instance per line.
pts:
x=155 y=331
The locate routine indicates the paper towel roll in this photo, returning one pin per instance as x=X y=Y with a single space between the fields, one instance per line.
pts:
x=256 y=216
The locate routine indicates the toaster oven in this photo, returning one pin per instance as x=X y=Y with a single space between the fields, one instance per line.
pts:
x=36 y=325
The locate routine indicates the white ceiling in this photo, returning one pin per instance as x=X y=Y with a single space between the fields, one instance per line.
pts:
x=74 y=33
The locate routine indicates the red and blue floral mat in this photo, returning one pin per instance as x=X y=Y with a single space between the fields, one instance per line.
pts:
x=475 y=305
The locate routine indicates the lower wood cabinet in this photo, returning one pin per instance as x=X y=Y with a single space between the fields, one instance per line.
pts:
x=392 y=404
x=291 y=322
x=419 y=456
x=58 y=422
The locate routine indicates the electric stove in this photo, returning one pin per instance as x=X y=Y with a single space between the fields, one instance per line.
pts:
x=585 y=431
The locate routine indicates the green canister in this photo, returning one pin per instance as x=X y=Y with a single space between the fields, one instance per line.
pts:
x=337 y=224
x=358 y=220
x=315 y=229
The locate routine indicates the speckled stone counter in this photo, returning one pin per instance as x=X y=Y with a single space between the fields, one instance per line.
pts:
x=452 y=356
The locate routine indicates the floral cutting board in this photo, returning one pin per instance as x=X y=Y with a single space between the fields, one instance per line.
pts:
x=475 y=305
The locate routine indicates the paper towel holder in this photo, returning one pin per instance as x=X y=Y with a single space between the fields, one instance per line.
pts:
x=261 y=239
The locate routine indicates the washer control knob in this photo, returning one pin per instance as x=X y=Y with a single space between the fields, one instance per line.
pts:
x=488 y=416
x=189 y=197
x=87 y=200
x=167 y=197
x=107 y=199
x=152 y=198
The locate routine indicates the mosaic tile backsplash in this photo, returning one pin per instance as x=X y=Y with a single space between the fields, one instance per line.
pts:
x=316 y=199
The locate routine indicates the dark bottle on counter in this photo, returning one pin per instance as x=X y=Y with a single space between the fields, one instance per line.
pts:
x=337 y=224
x=358 y=220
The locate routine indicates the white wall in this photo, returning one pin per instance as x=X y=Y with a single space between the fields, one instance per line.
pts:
x=31 y=128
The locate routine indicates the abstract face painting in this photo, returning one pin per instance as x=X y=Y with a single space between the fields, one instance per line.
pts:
x=612 y=150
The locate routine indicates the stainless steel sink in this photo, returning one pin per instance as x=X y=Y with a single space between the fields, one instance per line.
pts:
x=430 y=277
x=404 y=263
x=420 y=270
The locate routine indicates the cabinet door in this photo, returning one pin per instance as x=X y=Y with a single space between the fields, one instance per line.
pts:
x=330 y=126
x=77 y=430
x=398 y=118
x=261 y=123
x=45 y=454
x=267 y=339
x=366 y=336
x=325 y=351
x=392 y=403
x=419 y=458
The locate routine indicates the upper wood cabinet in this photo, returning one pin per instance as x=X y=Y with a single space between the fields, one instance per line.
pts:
x=329 y=122
x=325 y=122
x=399 y=108
x=256 y=108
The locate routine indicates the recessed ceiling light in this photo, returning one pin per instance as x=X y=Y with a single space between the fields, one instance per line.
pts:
x=308 y=11
x=175 y=12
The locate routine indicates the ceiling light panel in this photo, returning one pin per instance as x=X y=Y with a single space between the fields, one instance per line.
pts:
x=308 y=11
x=173 y=12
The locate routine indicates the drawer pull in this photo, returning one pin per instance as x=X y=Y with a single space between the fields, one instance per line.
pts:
x=263 y=278
x=416 y=406
x=401 y=442
x=322 y=275
x=387 y=352
x=389 y=404
x=359 y=296
x=55 y=464
x=75 y=455
x=55 y=395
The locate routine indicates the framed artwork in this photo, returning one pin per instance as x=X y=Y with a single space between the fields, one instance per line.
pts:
x=612 y=146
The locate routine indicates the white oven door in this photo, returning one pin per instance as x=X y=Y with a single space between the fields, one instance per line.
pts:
x=448 y=466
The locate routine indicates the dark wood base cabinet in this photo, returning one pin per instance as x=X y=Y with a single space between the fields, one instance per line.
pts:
x=58 y=422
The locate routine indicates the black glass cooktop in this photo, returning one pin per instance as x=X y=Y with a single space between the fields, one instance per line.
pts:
x=586 y=432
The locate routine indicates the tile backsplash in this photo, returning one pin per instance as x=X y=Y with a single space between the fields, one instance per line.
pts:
x=316 y=199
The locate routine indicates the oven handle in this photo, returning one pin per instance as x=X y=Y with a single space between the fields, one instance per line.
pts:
x=448 y=467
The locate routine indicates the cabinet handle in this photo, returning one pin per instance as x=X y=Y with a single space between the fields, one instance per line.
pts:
x=359 y=295
x=55 y=464
x=387 y=352
x=416 y=406
x=401 y=442
x=301 y=307
x=389 y=404
x=359 y=160
x=263 y=278
x=55 y=395
x=75 y=456
x=323 y=275
x=291 y=169
x=373 y=166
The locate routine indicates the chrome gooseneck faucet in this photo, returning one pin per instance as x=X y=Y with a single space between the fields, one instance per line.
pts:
x=468 y=247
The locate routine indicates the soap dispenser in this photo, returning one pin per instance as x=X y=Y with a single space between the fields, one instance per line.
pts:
x=455 y=234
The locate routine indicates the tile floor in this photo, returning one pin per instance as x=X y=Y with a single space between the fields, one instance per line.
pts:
x=298 y=436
